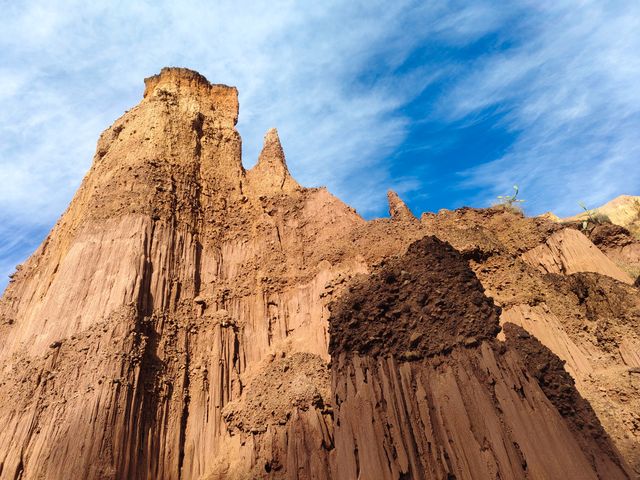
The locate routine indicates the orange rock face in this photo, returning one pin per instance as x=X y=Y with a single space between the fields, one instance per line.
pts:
x=423 y=390
x=173 y=279
x=175 y=325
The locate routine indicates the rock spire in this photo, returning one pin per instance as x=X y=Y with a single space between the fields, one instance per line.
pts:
x=397 y=208
x=271 y=174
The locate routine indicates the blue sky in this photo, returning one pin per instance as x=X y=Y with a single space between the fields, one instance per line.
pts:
x=449 y=103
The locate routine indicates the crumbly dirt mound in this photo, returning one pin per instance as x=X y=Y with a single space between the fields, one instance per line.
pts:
x=299 y=381
x=417 y=305
x=609 y=235
x=560 y=389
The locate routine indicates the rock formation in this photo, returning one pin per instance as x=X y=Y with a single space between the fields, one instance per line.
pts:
x=615 y=229
x=271 y=175
x=588 y=319
x=397 y=208
x=568 y=251
x=172 y=280
x=175 y=325
x=423 y=390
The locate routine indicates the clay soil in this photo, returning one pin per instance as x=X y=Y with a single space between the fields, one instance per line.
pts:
x=421 y=304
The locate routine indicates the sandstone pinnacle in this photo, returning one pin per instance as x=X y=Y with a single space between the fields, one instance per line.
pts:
x=271 y=174
x=397 y=208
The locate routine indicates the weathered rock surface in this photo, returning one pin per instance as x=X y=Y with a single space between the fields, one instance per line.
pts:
x=398 y=210
x=457 y=404
x=569 y=251
x=558 y=386
x=590 y=320
x=271 y=175
x=172 y=277
x=174 y=324
x=620 y=245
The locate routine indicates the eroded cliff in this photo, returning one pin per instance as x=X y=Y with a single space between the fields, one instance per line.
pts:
x=423 y=390
x=175 y=324
x=173 y=278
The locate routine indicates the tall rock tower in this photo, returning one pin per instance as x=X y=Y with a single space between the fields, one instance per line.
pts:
x=172 y=279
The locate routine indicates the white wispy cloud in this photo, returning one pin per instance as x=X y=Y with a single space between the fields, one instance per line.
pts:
x=569 y=89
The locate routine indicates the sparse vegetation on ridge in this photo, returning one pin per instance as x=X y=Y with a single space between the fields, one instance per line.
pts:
x=593 y=218
x=511 y=202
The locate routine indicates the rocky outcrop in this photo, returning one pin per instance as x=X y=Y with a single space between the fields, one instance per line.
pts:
x=588 y=319
x=569 y=251
x=398 y=210
x=270 y=175
x=164 y=288
x=175 y=323
x=431 y=394
x=620 y=245
x=559 y=387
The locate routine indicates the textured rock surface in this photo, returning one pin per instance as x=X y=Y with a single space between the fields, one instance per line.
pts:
x=163 y=289
x=569 y=251
x=174 y=324
x=398 y=210
x=559 y=388
x=590 y=320
x=620 y=245
x=460 y=405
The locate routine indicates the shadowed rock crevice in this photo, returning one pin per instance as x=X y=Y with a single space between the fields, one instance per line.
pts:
x=560 y=389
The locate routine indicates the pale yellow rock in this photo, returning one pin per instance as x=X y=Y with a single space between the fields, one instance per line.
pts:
x=623 y=210
x=550 y=216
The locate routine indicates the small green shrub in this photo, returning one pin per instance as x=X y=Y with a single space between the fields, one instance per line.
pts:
x=511 y=202
x=593 y=218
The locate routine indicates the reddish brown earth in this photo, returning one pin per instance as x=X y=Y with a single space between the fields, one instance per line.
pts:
x=175 y=324
x=558 y=386
x=421 y=304
x=423 y=390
